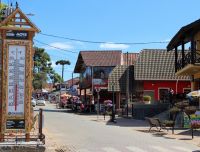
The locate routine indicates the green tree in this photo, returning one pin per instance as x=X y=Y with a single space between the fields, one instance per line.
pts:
x=63 y=63
x=2 y=8
x=42 y=69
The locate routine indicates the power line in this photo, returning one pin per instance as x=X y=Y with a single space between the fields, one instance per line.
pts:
x=99 y=42
x=55 y=47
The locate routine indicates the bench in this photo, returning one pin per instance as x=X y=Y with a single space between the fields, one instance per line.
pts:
x=154 y=122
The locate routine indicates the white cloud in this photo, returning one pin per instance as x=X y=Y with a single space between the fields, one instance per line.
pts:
x=167 y=40
x=111 y=45
x=61 y=45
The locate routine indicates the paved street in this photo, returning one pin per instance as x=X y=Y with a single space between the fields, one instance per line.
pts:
x=78 y=133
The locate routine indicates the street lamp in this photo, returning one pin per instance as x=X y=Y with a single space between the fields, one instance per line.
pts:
x=113 y=104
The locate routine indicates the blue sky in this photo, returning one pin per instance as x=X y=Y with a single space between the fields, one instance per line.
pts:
x=107 y=21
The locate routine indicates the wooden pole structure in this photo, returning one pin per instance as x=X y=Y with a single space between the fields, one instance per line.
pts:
x=16 y=46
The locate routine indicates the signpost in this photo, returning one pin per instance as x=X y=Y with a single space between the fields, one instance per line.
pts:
x=16 y=61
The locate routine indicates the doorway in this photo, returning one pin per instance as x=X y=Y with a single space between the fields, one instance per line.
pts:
x=163 y=94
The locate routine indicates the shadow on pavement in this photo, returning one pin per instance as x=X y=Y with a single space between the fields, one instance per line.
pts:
x=189 y=133
x=123 y=122
x=53 y=110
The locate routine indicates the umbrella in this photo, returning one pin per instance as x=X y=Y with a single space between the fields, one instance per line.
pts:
x=108 y=102
x=194 y=93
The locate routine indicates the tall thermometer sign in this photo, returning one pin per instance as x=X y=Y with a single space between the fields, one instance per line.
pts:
x=16 y=80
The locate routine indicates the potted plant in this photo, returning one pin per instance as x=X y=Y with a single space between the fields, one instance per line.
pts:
x=147 y=99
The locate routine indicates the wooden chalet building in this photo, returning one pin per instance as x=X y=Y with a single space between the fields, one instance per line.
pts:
x=154 y=73
x=94 y=68
x=187 y=61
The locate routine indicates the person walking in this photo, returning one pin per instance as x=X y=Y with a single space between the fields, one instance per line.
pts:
x=171 y=93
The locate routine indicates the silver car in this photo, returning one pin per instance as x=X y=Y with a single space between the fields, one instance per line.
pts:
x=40 y=102
x=33 y=102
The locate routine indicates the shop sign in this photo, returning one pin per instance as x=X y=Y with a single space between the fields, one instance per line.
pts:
x=22 y=35
x=100 y=81
x=15 y=124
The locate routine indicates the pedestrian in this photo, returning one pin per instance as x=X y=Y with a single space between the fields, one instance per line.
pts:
x=170 y=94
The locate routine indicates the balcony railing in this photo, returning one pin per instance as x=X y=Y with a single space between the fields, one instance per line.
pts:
x=188 y=60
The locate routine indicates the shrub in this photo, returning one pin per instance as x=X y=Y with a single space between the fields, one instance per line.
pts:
x=147 y=98
x=174 y=110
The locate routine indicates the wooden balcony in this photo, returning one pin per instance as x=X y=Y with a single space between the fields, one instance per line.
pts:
x=188 y=65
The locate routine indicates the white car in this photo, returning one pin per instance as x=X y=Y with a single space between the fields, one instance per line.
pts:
x=33 y=102
x=40 y=101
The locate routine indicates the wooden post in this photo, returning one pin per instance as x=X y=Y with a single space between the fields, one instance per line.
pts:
x=1 y=89
x=183 y=54
x=40 y=123
x=16 y=47
x=176 y=58
x=192 y=51
x=85 y=98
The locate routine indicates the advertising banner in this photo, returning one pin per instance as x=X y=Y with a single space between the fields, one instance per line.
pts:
x=16 y=80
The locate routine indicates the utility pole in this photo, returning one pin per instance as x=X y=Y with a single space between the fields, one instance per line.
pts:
x=113 y=104
x=72 y=80
x=127 y=84
x=92 y=89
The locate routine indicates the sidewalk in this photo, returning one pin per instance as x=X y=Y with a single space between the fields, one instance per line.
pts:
x=183 y=135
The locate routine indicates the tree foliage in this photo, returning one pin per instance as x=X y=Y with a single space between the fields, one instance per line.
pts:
x=42 y=69
x=3 y=7
x=63 y=63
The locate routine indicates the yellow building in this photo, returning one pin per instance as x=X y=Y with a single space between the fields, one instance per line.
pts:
x=188 y=63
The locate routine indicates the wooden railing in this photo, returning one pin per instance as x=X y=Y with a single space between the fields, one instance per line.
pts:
x=188 y=60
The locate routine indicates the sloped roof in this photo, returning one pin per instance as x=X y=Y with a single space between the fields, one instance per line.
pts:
x=118 y=77
x=132 y=57
x=156 y=64
x=184 y=34
x=75 y=81
x=12 y=22
x=98 y=58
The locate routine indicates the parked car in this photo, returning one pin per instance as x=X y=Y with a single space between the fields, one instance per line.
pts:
x=41 y=101
x=33 y=102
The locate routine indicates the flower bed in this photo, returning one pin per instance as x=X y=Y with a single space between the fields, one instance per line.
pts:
x=195 y=123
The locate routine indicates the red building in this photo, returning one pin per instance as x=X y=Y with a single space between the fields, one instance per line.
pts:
x=155 y=72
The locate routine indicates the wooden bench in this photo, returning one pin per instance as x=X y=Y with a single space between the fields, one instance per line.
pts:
x=154 y=122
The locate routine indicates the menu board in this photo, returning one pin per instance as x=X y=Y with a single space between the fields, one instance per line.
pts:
x=16 y=80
